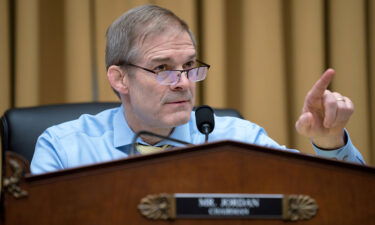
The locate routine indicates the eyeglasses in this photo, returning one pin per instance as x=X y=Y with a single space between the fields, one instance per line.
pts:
x=172 y=77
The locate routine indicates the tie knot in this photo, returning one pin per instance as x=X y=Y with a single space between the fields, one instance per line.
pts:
x=148 y=149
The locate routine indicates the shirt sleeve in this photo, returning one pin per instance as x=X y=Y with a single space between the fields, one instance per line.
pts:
x=347 y=153
x=263 y=139
x=48 y=157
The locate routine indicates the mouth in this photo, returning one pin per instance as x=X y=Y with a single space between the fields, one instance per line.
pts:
x=178 y=102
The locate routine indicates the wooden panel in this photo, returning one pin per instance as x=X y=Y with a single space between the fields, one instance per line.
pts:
x=78 y=52
x=234 y=48
x=213 y=44
x=306 y=40
x=371 y=63
x=348 y=52
x=264 y=69
x=52 y=52
x=109 y=193
x=27 y=53
x=4 y=57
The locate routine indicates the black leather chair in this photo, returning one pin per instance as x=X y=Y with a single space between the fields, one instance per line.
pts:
x=21 y=127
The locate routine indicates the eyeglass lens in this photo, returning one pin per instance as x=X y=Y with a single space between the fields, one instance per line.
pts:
x=172 y=77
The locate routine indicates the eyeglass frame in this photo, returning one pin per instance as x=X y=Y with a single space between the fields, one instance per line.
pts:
x=156 y=73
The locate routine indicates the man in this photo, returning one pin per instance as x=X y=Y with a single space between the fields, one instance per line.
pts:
x=152 y=66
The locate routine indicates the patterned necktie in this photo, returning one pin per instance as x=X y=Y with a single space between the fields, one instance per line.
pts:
x=148 y=149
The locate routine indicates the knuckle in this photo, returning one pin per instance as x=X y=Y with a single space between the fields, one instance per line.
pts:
x=349 y=111
x=330 y=102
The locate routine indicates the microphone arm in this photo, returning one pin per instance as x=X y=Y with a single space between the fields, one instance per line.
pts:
x=143 y=132
x=206 y=130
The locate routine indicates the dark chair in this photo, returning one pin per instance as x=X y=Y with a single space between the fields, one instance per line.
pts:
x=21 y=127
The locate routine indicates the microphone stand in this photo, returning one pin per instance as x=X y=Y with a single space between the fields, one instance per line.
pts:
x=133 y=149
x=206 y=128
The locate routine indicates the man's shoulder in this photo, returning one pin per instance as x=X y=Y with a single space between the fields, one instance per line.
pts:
x=92 y=125
x=225 y=122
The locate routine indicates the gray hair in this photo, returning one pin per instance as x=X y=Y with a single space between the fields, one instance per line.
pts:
x=134 y=26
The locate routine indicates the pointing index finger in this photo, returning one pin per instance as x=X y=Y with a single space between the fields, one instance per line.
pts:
x=322 y=84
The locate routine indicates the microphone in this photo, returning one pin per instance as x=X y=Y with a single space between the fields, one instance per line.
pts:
x=204 y=117
x=148 y=133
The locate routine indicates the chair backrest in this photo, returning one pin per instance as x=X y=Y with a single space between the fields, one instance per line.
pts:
x=21 y=127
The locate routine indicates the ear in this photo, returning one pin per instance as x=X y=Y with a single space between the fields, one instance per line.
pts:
x=118 y=79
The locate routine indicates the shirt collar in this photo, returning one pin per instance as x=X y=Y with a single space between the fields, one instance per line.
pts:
x=123 y=135
x=181 y=133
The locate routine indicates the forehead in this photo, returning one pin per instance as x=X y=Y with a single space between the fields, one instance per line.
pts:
x=171 y=45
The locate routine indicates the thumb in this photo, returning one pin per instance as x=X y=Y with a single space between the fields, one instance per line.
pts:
x=304 y=123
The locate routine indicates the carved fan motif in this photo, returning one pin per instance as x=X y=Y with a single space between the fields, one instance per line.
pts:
x=156 y=206
x=301 y=207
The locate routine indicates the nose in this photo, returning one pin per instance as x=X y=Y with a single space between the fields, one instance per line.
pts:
x=183 y=82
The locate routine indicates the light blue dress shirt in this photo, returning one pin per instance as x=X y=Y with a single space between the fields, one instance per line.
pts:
x=107 y=136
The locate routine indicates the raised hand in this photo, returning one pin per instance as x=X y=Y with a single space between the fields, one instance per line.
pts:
x=325 y=114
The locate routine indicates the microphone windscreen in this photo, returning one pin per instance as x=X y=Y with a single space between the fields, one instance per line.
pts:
x=204 y=115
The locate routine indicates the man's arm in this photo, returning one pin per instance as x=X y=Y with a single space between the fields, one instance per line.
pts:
x=46 y=157
x=348 y=152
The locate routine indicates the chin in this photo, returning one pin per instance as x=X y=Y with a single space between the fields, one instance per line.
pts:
x=177 y=118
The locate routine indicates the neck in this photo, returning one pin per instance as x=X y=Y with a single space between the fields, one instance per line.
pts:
x=154 y=140
x=137 y=127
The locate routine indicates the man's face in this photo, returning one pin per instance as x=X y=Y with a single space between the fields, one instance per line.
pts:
x=150 y=105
